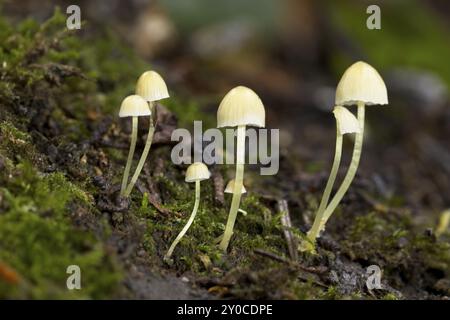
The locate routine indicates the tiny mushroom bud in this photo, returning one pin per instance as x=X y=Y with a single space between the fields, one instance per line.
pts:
x=346 y=123
x=132 y=106
x=230 y=188
x=151 y=87
x=239 y=108
x=362 y=85
x=196 y=172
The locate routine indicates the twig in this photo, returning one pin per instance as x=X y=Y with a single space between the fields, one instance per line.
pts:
x=158 y=206
x=296 y=265
x=318 y=270
x=317 y=282
x=153 y=201
x=282 y=206
x=272 y=256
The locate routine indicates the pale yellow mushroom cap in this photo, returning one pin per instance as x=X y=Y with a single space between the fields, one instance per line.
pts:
x=347 y=122
x=230 y=187
x=134 y=106
x=197 y=171
x=241 y=106
x=361 y=82
x=151 y=86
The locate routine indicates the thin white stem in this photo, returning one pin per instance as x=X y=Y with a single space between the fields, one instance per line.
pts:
x=317 y=226
x=238 y=184
x=148 y=144
x=351 y=170
x=188 y=224
x=126 y=173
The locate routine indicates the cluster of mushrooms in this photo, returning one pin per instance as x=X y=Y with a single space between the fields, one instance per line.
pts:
x=150 y=88
x=360 y=85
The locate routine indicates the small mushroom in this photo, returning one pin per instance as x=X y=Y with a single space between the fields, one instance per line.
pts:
x=362 y=85
x=151 y=87
x=132 y=106
x=346 y=123
x=239 y=108
x=230 y=188
x=196 y=172
x=444 y=222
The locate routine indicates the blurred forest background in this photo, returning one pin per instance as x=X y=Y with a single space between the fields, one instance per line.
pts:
x=292 y=53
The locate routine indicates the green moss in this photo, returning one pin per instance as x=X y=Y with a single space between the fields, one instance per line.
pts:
x=434 y=253
x=389 y=296
x=112 y=79
x=59 y=182
x=38 y=241
x=24 y=46
x=258 y=229
x=17 y=144
x=406 y=255
x=12 y=133
x=332 y=293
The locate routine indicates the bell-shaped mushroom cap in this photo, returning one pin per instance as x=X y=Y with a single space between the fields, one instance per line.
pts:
x=361 y=82
x=134 y=106
x=230 y=187
x=151 y=86
x=241 y=106
x=197 y=171
x=347 y=122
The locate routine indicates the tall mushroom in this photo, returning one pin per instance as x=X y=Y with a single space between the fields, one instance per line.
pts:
x=196 y=172
x=151 y=87
x=132 y=106
x=362 y=85
x=346 y=123
x=239 y=108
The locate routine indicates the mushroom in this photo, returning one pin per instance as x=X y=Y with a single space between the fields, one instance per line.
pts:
x=132 y=106
x=346 y=123
x=196 y=172
x=151 y=87
x=362 y=85
x=230 y=188
x=444 y=221
x=239 y=108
